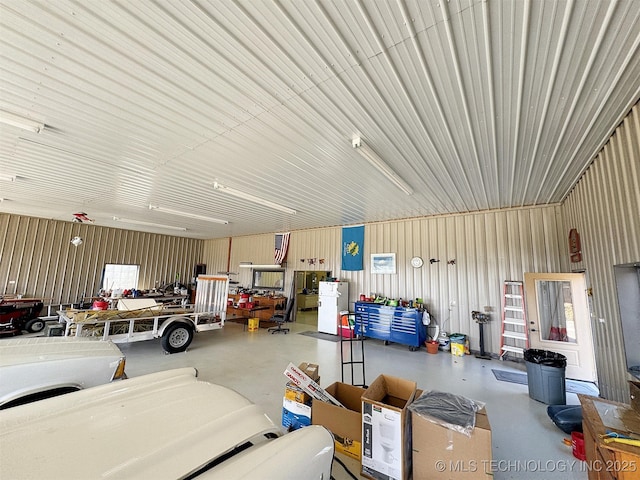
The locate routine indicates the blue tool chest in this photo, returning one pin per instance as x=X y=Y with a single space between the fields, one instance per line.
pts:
x=392 y=324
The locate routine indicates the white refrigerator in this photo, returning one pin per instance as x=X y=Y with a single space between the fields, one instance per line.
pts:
x=333 y=298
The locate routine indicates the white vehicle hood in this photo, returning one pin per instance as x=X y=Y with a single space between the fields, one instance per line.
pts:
x=18 y=351
x=306 y=454
x=163 y=425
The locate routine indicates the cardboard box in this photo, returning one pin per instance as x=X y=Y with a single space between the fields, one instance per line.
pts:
x=296 y=394
x=306 y=383
x=295 y=415
x=311 y=370
x=439 y=452
x=344 y=423
x=386 y=428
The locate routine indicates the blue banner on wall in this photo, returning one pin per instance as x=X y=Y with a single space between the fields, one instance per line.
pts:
x=352 y=247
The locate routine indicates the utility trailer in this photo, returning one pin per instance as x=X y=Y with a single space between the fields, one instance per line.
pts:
x=139 y=319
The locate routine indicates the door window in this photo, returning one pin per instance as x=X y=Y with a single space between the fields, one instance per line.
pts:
x=556 y=311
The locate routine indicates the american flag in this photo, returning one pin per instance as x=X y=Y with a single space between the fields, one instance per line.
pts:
x=282 y=243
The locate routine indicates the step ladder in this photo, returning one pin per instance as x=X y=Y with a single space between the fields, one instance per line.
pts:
x=514 y=338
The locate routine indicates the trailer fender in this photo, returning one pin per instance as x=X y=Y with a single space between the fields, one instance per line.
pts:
x=175 y=319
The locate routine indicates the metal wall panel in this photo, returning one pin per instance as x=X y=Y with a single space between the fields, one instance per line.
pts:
x=604 y=207
x=257 y=249
x=37 y=258
x=488 y=248
x=215 y=255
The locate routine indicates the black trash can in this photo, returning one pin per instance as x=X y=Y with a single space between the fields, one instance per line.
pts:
x=546 y=376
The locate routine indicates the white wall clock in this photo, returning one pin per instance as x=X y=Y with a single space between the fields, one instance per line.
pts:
x=416 y=262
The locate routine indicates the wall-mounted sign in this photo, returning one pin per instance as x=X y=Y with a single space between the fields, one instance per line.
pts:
x=575 y=250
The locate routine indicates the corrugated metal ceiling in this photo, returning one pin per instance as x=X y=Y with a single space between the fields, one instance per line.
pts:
x=475 y=104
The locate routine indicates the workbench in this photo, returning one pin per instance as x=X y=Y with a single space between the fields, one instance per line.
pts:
x=609 y=460
x=272 y=305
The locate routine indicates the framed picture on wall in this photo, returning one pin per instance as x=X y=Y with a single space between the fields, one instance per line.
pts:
x=383 y=263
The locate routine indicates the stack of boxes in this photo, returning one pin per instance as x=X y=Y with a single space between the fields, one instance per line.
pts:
x=296 y=406
x=376 y=427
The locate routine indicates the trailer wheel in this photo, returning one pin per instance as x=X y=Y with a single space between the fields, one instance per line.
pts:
x=34 y=325
x=177 y=338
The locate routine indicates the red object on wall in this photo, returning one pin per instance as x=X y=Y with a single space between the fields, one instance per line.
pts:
x=575 y=249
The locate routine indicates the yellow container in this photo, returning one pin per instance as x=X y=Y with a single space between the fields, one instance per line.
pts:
x=457 y=349
x=254 y=324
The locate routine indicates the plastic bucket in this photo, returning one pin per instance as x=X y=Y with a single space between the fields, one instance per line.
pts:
x=99 y=305
x=432 y=346
x=577 y=445
x=443 y=340
x=253 y=324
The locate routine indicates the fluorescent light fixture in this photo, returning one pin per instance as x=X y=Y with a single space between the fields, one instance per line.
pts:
x=188 y=215
x=373 y=158
x=9 y=118
x=262 y=267
x=253 y=198
x=7 y=178
x=148 y=224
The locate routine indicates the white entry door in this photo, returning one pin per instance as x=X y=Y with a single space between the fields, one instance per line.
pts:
x=559 y=320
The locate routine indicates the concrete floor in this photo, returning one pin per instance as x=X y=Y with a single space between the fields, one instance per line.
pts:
x=526 y=444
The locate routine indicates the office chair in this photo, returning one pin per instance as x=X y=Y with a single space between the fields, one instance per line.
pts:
x=282 y=317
